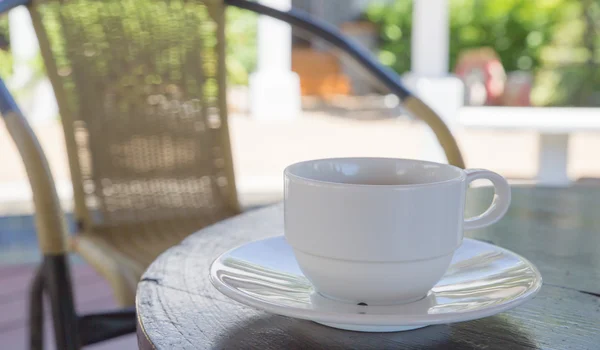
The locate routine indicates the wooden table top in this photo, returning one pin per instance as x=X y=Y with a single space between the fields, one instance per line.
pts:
x=556 y=229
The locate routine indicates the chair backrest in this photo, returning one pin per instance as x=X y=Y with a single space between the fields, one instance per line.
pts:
x=141 y=91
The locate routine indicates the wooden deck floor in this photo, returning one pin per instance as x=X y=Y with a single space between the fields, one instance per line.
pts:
x=91 y=294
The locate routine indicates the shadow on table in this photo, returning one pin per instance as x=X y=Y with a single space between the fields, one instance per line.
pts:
x=277 y=332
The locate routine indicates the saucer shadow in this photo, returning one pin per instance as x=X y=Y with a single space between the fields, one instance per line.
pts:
x=279 y=332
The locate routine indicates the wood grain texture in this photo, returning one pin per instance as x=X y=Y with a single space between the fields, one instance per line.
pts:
x=556 y=229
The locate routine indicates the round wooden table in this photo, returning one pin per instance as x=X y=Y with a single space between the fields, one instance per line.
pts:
x=557 y=229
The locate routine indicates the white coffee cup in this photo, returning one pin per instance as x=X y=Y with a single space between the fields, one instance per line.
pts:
x=380 y=230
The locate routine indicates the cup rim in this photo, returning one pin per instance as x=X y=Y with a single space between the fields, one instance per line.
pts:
x=289 y=174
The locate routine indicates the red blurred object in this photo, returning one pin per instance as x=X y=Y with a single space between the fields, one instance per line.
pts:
x=483 y=75
x=518 y=89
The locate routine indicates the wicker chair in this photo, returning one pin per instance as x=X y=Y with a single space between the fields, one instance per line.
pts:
x=141 y=92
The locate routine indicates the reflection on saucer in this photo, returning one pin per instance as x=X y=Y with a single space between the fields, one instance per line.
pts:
x=482 y=280
x=320 y=302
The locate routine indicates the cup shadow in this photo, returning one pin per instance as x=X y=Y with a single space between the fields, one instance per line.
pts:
x=279 y=332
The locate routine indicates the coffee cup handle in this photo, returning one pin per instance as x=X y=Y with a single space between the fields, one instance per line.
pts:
x=499 y=204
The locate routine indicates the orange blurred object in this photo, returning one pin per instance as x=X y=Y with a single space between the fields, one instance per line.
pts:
x=320 y=73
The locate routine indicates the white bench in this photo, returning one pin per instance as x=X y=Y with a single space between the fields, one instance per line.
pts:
x=553 y=123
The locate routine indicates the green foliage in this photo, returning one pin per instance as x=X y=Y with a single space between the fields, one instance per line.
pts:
x=395 y=23
x=537 y=36
x=240 y=34
x=5 y=57
x=570 y=69
x=517 y=29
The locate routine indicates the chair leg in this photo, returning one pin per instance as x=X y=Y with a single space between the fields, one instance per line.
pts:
x=36 y=311
x=102 y=326
x=59 y=288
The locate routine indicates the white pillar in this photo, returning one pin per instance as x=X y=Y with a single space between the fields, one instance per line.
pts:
x=429 y=78
x=430 y=38
x=274 y=88
x=23 y=45
x=553 y=159
x=36 y=97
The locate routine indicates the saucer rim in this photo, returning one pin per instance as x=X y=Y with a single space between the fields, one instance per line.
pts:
x=374 y=319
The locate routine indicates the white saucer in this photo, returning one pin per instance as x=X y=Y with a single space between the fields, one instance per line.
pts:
x=482 y=280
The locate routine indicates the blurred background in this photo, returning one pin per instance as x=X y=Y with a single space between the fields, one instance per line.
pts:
x=542 y=55
x=517 y=82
